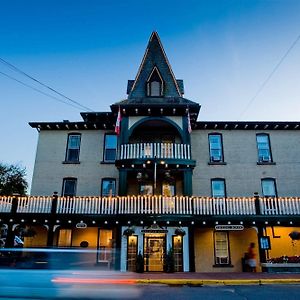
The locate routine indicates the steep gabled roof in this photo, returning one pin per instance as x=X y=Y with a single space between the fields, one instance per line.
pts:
x=154 y=56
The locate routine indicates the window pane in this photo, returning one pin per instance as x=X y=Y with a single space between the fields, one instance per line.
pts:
x=69 y=187
x=111 y=141
x=110 y=147
x=74 y=141
x=215 y=147
x=108 y=187
x=73 y=148
x=263 y=146
x=155 y=88
x=218 y=188
x=110 y=154
x=221 y=248
x=268 y=188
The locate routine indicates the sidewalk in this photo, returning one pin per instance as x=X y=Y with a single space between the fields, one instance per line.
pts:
x=213 y=278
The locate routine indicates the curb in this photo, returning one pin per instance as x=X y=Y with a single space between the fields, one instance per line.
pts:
x=201 y=282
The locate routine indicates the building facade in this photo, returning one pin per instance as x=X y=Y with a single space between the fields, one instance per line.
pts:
x=148 y=178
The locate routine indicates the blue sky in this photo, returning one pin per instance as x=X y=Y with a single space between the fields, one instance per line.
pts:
x=223 y=50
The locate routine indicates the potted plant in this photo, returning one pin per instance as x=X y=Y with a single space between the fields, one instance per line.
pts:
x=169 y=261
x=140 y=263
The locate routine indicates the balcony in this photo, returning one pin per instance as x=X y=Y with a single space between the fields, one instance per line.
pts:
x=150 y=205
x=154 y=150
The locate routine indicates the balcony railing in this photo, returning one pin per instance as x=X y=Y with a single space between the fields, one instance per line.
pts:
x=155 y=150
x=154 y=205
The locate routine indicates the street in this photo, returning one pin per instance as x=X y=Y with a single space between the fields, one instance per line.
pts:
x=72 y=284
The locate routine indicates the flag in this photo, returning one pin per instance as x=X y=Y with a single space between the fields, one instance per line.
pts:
x=189 y=122
x=118 y=122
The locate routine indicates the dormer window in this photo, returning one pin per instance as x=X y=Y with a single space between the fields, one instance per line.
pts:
x=154 y=84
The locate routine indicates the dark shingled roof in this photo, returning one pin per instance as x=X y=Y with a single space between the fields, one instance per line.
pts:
x=155 y=56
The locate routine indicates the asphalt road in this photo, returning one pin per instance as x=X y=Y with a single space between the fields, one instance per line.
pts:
x=251 y=292
x=51 y=284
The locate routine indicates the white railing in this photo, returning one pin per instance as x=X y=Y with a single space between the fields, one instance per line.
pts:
x=180 y=205
x=155 y=150
x=143 y=205
x=5 y=204
x=34 y=204
x=280 y=206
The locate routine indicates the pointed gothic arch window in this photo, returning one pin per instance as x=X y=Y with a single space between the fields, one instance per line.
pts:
x=155 y=84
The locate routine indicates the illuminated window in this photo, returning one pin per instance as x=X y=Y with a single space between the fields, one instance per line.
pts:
x=221 y=248
x=73 y=147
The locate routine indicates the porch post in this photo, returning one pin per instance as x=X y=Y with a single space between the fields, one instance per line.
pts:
x=187 y=183
x=9 y=243
x=50 y=235
x=262 y=252
x=122 y=182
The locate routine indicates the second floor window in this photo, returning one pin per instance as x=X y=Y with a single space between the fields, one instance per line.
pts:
x=218 y=188
x=69 y=187
x=263 y=147
x=110 y=147
x=268 y=186
x=215 y=148
x=73 y=148
x=108 y=188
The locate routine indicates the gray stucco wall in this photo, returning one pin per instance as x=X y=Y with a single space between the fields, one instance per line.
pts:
x=50 y=170
x=241 y=173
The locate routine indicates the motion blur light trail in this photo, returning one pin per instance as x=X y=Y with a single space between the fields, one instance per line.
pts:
x=94 y=281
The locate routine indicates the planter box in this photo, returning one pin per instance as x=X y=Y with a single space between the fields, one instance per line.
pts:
x=281 y=268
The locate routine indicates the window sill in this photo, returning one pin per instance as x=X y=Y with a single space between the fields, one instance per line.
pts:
x=261 y=163
x=71 y=162
x=107 y=162
x=223 y=266
x=212 y=163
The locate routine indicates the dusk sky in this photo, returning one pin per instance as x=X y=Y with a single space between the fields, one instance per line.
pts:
x=87 y=50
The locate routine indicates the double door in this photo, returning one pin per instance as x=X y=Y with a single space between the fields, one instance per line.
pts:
x=154 y=253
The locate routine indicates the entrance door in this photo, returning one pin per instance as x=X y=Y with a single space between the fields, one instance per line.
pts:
x=154 y=253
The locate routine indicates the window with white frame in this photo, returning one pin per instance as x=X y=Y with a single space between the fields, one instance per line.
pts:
x=215 y=147
x=69 y=187
x=108 y=187
x=73 y=147
x=221 y=248
x=263 y=147
x=218 y=188
x=110 y=148
x=268 y=186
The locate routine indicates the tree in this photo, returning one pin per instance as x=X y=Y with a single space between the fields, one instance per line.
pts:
x=12 y=180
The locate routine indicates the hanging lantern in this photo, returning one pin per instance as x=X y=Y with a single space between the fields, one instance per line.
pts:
x=295 y=235
x=128 y=232
x=179 y=231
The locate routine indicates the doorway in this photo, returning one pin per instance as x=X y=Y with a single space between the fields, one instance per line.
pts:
x=154 y=252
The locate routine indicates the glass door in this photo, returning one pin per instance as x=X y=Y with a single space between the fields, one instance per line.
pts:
x=154 y=253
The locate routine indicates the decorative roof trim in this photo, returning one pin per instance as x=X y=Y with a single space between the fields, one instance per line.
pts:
x=71 y=126
x=248 y=125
